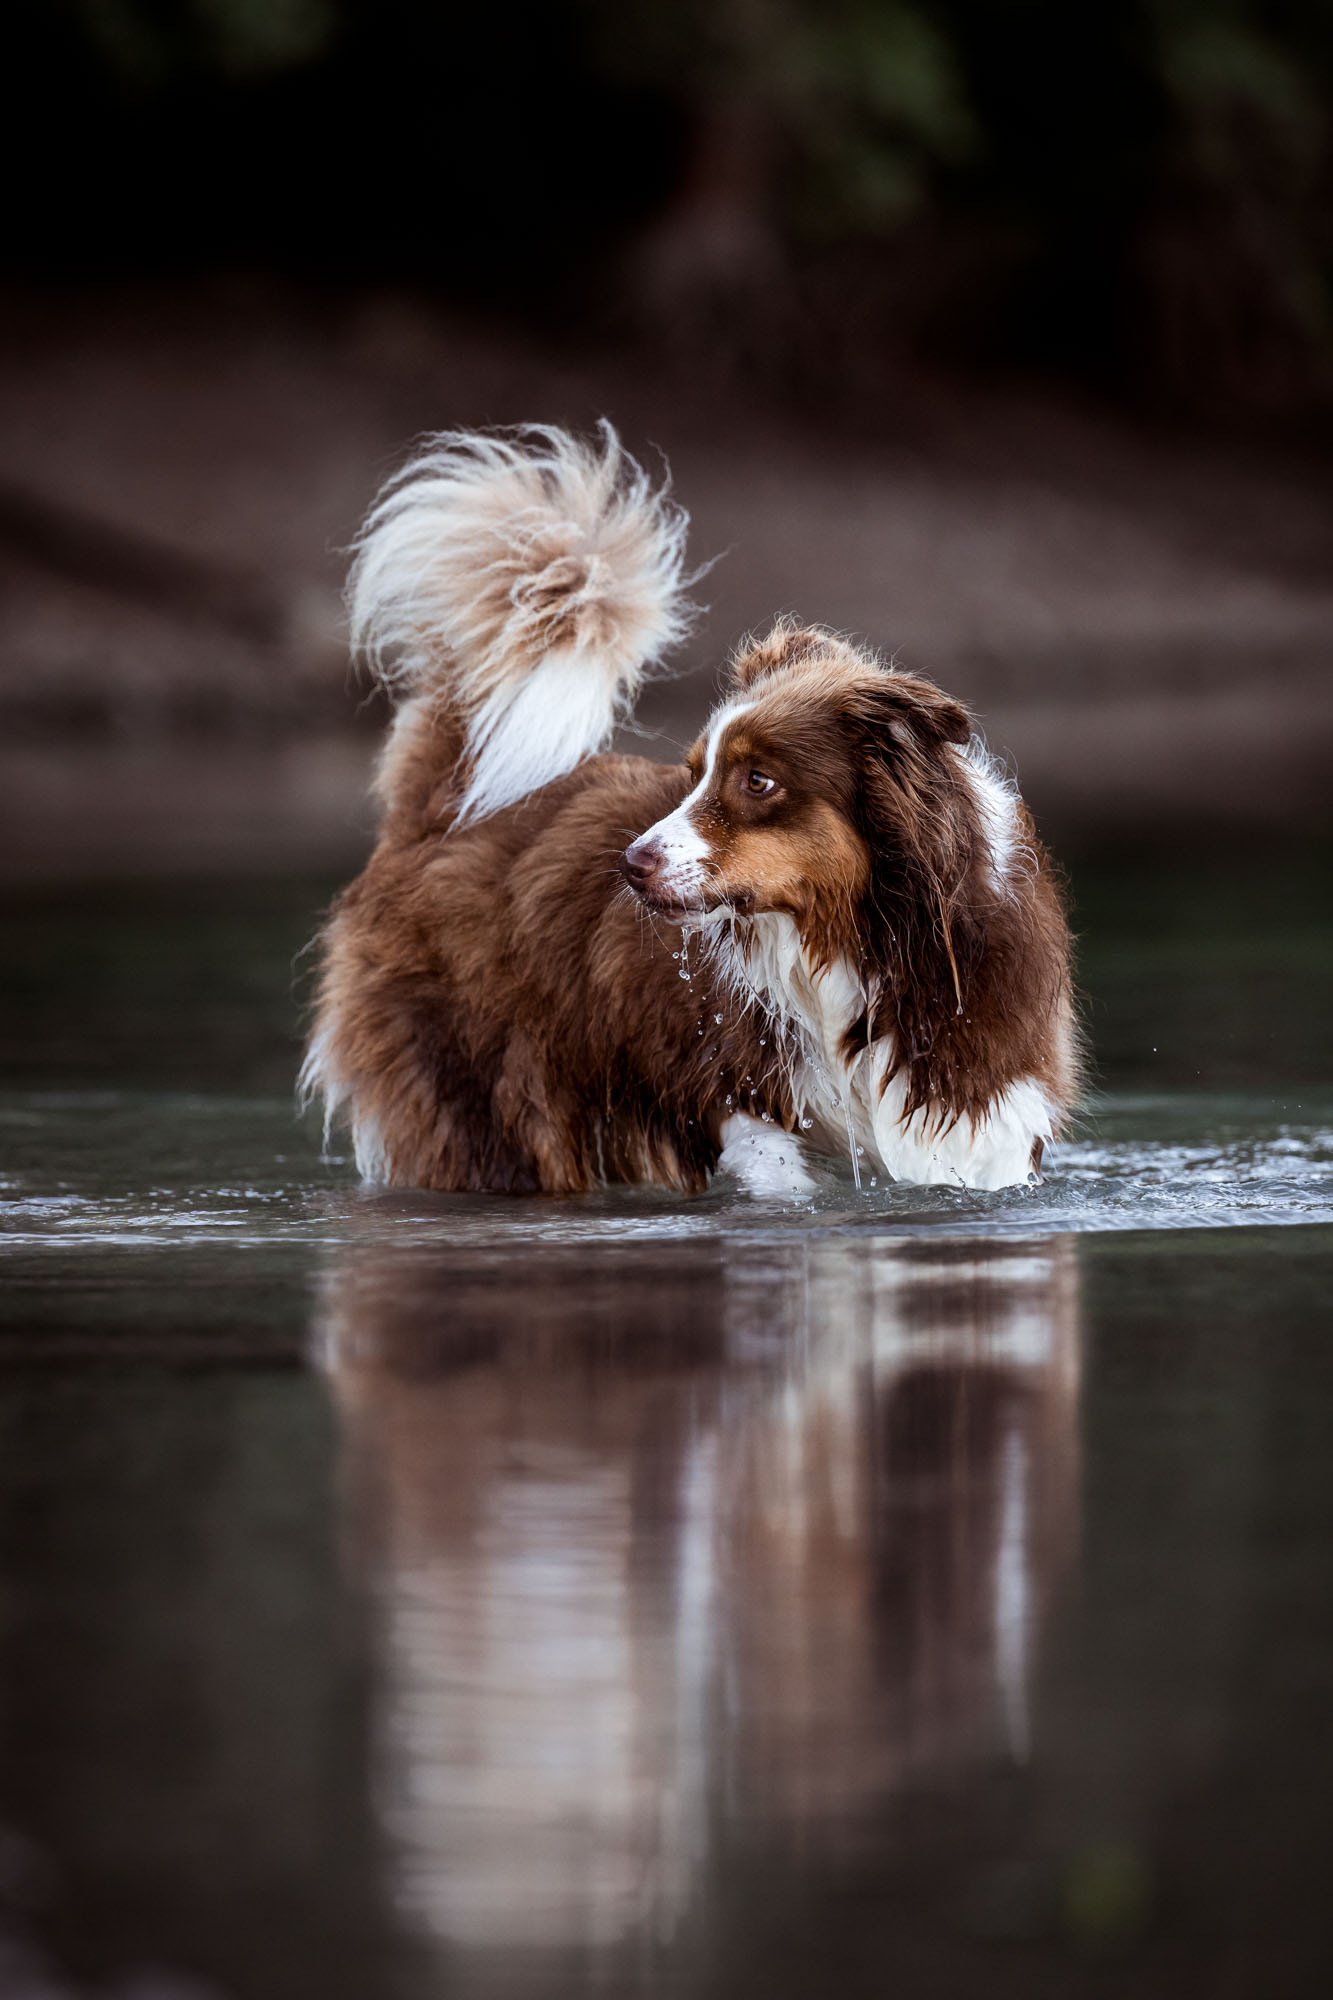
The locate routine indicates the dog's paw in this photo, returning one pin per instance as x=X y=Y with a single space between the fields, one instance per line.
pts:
x=765 y=1159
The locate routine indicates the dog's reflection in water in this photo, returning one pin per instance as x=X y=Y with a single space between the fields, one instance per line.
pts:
x=666 y=1543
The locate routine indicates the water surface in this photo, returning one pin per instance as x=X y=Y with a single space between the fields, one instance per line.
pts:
x=416 y=1596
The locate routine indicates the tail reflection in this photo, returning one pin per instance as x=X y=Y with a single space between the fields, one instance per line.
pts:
x=660 y=1550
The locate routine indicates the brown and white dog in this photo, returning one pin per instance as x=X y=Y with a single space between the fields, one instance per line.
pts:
x=832 y=929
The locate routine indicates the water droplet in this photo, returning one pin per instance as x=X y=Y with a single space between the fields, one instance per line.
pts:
x=763 y=1042
x=675 y=954
x=874 y=1180
x=764 y=1116
x=727 y=1102
x=860 y=1152
x=807 y=1124
x=683 y=973
x=718 y=1019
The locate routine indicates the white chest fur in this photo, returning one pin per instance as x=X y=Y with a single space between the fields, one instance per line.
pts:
x=844 y=1104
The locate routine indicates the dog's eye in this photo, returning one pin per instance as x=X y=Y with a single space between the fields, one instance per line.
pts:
x=758 y=783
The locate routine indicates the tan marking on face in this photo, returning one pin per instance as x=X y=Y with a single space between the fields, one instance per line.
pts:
x=818 y=860
x=774 y=841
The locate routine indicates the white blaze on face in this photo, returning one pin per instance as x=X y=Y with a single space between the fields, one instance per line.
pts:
x=686 y=852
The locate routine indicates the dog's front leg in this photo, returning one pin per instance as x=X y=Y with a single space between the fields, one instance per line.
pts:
x=765 y=1159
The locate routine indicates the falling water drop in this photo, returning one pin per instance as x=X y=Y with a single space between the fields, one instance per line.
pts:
x=853 y=1148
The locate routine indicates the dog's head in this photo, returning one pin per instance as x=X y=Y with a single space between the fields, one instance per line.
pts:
x=824 y=787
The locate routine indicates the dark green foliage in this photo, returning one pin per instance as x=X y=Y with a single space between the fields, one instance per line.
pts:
x=1137 y=186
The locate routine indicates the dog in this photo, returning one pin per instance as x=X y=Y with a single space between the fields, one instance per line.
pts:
x=832 y=931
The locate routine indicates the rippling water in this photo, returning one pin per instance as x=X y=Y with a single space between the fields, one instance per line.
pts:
x=103 y=1168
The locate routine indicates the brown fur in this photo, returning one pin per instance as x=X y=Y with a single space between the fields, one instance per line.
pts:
x=510 y=1018
x=505 y=1014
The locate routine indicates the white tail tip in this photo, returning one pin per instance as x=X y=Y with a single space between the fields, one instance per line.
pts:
x=530 y=580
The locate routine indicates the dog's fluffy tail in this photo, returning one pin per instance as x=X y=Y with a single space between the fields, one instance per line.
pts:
x=527 y=582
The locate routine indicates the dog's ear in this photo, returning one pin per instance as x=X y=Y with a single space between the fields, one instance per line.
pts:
x=911 y=794
x=787 y=645
x=913 y=714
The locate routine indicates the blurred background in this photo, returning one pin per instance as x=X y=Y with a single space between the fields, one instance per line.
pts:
x=998 y=332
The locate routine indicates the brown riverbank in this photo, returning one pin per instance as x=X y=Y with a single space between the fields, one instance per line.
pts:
x=1144 y=624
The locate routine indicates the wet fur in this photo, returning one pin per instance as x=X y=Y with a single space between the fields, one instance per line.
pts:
x=499 y=1010
x=503 y=1014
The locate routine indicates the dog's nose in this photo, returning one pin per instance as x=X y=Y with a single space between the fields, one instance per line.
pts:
x=640 y=862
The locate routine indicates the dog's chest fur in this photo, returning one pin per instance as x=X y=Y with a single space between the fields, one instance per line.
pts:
x=856 y=1103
